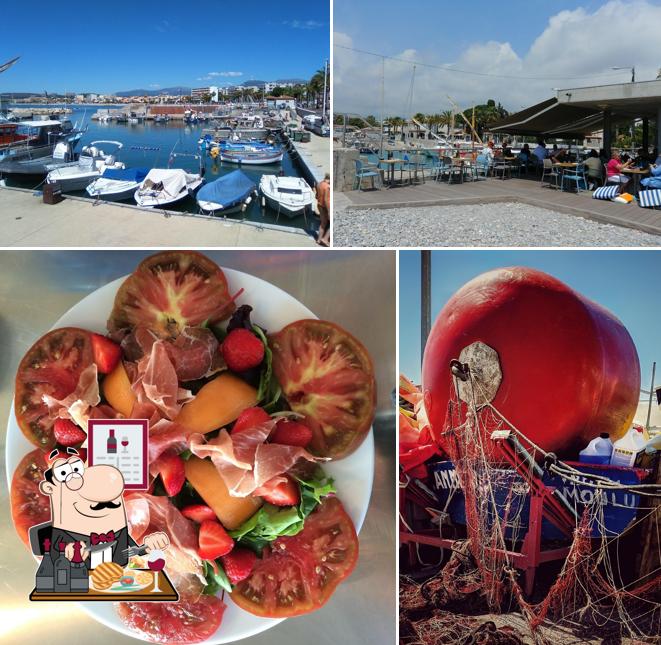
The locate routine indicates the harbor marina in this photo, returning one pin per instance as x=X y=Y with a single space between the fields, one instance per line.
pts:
x=149 y=144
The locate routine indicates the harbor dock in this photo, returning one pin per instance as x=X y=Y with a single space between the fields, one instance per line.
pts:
x=26 y=221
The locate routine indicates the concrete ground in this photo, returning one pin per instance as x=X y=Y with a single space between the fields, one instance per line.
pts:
x=316 y=153
x=26 y=221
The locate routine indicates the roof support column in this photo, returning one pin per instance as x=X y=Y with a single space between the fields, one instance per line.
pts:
x=646 y=134
x=658 y=128
x=607 y=133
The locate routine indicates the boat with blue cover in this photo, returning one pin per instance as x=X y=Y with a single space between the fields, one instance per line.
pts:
x=227 y=194
x=116 y=185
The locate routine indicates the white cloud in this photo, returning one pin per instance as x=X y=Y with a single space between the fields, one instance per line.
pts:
x=154 y=86
x=232 y=74
x=303 y=24
x=574 y=44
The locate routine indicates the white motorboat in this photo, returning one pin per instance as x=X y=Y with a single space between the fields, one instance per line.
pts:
x=287 y=195
x=116 y=185
x=163 y=186
x=91 y=164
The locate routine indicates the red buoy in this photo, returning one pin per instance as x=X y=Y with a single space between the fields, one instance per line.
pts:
x=559 y=367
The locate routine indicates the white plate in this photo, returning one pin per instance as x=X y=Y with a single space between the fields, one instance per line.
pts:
x=273 y=308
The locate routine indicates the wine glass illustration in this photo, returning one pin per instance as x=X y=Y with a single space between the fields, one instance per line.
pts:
x=125 y=443
x=156 y=562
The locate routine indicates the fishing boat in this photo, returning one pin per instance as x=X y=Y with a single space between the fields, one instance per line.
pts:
x=91 y=164
x=287 y=195
x=253 y=154
x=227 y=194
x=116 y=185
x=39 y=147
x=163 y=186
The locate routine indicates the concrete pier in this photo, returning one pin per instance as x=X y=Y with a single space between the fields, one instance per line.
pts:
x=26 y=221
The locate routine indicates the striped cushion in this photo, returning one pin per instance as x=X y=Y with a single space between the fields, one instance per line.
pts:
x=606 y=192
x=649 y=198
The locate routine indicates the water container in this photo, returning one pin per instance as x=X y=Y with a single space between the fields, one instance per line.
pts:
x=627 y=449
x=598 y=451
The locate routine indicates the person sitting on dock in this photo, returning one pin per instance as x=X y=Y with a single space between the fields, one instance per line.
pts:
x=614 y=170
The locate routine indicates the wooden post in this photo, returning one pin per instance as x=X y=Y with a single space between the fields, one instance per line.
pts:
x=649 y=557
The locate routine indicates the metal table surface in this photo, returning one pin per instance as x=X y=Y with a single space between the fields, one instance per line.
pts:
x=353 y=288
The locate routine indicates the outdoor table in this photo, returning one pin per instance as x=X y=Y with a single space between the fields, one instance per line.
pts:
x=390 y=169
x=637 y=173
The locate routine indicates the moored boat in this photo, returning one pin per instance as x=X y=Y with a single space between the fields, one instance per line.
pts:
x=91 y=163
x=287 y=195
x=227 y=194
x=250 y=154
x=163 y=186
x=116 y=185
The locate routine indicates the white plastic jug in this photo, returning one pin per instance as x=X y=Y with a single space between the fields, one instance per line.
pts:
x=627 y=449
x=598 y=451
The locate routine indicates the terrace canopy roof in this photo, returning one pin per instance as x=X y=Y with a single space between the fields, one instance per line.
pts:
x=576 y=112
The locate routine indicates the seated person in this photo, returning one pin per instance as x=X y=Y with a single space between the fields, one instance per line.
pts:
x=507 y=151
x=614 y=170
x=642 y=159
x=594 y=169
x=559 y=156
x=488 y=151
x=654 y=180
x=539 y=153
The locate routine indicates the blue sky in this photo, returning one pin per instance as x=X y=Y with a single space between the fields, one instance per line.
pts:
x=622 y=281
x=560 y=44
x=120 y=45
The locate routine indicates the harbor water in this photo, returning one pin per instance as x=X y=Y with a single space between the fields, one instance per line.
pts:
x=157 y=145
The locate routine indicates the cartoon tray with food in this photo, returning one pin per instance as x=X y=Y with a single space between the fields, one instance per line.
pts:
x=110 y=581
x=261 y=455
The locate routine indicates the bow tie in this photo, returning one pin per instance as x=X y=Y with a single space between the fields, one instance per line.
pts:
x=98 y=538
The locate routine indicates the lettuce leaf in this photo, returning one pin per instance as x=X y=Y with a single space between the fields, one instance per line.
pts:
x=269 y=390
x=271 y=522
x=216 y=578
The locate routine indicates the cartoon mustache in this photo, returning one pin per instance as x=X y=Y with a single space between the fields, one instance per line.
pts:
x=101 y=505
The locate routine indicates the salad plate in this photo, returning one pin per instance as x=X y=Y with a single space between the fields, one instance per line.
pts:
x=273 y=309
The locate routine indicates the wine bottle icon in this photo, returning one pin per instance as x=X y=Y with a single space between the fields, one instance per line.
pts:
x=111 y=444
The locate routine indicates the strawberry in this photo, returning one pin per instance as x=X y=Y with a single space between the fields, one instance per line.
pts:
x=291 y=433
x=281 y=493
x=238 y=564
x=106 y=353
x=198 y=513
x=242 y=350
x=213 y=540
x=67 y=433
x=172 y=472
x=250 y=418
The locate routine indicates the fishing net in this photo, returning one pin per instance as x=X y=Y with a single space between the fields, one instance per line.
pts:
x=593 y=588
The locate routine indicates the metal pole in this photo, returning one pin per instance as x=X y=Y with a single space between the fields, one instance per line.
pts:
x=425 y=298
x=383 y=82
x=344 y=134
x=649 y=405
x=323 y=114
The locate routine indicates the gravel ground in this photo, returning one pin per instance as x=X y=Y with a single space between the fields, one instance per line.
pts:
x=498 y=224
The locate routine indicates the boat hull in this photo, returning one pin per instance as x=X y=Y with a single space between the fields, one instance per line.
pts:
x=288 y=210
x=117 y=195
x=149 y=201
x=253 y=160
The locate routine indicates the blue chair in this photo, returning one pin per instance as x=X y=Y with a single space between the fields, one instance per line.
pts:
x=576 y=176
x=363 y=172
x=411 y=167
x=482 y=166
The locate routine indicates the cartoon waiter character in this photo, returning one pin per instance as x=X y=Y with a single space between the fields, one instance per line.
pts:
x=87 y=506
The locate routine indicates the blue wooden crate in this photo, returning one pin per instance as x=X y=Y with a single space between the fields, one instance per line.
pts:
x=620 y=507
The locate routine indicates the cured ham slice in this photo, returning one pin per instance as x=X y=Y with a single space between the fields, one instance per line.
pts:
x=193 y=353
x=157 y=383
x=244 y=461
x=165 y=435
x=147 y=514
x=78 y=405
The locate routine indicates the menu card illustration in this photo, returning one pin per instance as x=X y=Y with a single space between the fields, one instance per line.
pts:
x=121 y=443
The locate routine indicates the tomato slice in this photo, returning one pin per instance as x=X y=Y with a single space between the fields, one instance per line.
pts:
x=185 y=621
x=28 y=505
x=51 y=366
x=327 y=376
x=169 y=291
x=299 y=574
